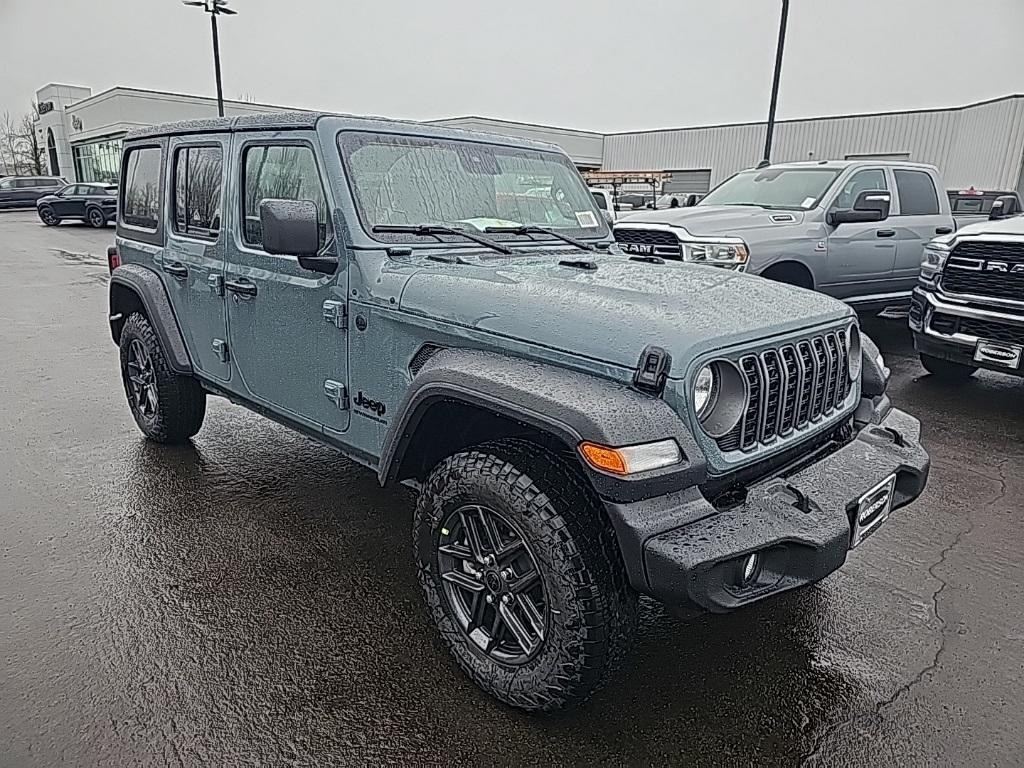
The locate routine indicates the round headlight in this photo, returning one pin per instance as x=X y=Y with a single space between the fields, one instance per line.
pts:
x=704 y=387
x=853 y=352
x=720 y=397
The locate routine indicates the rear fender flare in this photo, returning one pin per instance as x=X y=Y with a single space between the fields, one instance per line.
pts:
x=149 y=288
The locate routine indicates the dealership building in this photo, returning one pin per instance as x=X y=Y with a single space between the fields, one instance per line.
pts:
x=979 y=145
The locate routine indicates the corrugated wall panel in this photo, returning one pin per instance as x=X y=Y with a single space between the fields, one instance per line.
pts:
x=981 y=145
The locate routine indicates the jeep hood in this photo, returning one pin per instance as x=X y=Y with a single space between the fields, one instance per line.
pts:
x=710 y=220
x=612 y=312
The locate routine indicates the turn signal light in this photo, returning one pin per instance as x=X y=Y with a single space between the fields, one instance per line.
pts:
x=632 y=458
x=113 y=258
x=608 y=459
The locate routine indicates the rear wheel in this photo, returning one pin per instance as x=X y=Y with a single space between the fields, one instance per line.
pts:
x=96 y=218
x=946 y=369
x=522 y=575
x=48 y=217
x=168 y=407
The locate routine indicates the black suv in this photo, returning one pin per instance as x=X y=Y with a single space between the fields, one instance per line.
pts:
x=92 y=203
x=23 y=191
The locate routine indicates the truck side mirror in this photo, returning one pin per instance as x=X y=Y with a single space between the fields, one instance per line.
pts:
x=1004 y=206
x=871 y=205
x=291 y=228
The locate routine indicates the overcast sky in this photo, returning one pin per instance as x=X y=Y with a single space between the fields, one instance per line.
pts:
x=591 y=64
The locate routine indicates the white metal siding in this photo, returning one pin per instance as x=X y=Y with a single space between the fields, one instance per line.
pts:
x=981 y=145
x=584 y=147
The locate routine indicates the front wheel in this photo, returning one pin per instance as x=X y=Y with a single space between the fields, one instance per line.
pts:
x=946 y=369
x=96 y=218
x=48 y=217
x=522 y=575
x=168 y=407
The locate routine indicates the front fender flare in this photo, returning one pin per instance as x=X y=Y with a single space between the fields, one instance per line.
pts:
x=147 y=285
x=569 y=405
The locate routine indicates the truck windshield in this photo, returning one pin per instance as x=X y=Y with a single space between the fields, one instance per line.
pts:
x=411 y=181
x=786 y=188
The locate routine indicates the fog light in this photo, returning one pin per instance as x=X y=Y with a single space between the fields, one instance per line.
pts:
x=750 y=563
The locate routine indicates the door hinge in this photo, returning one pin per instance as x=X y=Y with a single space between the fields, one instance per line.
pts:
x=336 y=313
x=337 y=393
x=216 y=283
x=220 y=348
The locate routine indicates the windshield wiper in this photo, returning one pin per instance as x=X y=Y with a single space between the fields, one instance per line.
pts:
x=438 y=229
x=530 y=229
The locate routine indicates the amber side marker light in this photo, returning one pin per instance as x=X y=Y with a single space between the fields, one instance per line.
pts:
x=631 y=459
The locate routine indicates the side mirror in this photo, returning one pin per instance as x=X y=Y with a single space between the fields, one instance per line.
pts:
x=871 y=205
x=691 y=200
x=1004 y=206
x=291 y=228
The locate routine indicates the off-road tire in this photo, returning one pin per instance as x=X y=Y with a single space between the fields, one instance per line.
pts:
x=591 y=610
x=946 y=369
x=180 y=402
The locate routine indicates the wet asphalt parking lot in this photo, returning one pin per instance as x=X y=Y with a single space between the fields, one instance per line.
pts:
x=249 y=600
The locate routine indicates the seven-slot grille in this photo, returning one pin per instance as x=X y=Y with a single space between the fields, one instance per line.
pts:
x=983 y=268
x=649 y=242
x=789 y=388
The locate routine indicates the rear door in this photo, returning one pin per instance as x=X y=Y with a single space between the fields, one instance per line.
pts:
x=860 y=255
x=286 y=325
x=921 y=214
x=193 y=258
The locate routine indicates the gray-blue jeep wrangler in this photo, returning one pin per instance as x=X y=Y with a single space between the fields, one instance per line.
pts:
x=583 y=425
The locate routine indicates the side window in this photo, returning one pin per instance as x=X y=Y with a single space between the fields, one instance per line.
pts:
x=917 y=193
x=6 y=184
x=197 y=189
x=26 y=183
x=280 y=172
x=140 y=206
x=861 y=181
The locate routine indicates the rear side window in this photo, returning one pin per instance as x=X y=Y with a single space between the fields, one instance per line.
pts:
x=197 y=190
x=141 y=204
x=279 y=172
x=917 y=193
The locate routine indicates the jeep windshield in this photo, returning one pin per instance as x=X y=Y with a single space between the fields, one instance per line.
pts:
x=405 y=187
x=796 y=189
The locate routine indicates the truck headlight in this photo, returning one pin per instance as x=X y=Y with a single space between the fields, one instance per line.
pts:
x=732 y=255
x=853 y=352
x=719 y=397
x=932 y=262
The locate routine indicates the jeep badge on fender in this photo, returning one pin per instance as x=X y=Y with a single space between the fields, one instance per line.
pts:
x=582 y=426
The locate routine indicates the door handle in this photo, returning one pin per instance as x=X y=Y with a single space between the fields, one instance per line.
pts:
x=242 y=287
x=176 y=268
x=943 y=230
x=885 y=233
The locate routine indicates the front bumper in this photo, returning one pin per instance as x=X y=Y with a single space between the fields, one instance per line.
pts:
x=800 y=524
x=951 y=331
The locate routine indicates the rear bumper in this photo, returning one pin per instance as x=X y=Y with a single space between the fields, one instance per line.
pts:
x=800 y=526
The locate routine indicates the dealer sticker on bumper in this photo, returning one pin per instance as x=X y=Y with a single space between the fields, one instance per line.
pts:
x=994 y=353
x=872 y=510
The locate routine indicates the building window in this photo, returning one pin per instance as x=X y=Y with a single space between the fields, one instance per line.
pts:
x=140 y=205
x=98 y=161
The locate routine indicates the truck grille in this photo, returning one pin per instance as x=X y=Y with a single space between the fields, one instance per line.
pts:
x=790 y=388
x=981 y=268
x=987 y=330
x=649 y=242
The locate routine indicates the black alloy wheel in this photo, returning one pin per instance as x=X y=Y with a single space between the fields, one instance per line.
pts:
x=492 y=584
x=142 y=380
x=96 y=218
x=49 y=217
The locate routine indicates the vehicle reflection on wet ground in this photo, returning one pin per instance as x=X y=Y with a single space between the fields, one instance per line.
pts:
x=250 y=599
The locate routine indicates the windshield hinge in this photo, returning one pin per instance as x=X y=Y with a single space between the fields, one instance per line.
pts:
x=336 y=313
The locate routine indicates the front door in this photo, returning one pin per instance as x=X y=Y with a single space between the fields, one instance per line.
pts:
x=192 y=261
x=287 y=329
x=70 y=201
x=860 y=255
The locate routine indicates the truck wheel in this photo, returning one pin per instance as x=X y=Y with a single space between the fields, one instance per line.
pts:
x=522 y=575
x=946 y=369
x=168 y=407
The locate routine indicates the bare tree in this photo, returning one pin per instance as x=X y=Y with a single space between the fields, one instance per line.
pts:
x=20 y=150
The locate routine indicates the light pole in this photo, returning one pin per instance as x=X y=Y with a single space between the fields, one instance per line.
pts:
x=215 y=8
x=775 y=83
